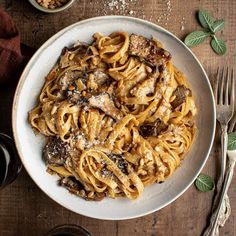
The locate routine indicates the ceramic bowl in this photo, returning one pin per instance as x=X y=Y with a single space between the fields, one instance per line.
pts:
x=30 y=145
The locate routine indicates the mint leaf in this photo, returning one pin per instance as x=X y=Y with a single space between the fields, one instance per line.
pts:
x=204 y=183
x=232 y=141
x=195 y=38
x=210 y=28
x=205 y=19
x=218 y=25
x=218 y=45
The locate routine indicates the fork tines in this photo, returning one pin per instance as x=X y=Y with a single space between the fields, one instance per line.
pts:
x=224 y=80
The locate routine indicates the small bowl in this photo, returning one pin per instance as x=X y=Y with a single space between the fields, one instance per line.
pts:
x=47 y=10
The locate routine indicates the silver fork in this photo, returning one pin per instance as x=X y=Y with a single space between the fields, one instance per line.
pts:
x=224 y=112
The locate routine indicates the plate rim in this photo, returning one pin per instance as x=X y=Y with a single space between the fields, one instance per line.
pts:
x=22 y=80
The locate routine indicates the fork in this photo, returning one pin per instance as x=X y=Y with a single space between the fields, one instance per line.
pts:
x=224 y=113
x=227 y=181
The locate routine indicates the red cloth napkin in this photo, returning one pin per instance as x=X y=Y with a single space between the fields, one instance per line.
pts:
x=12 y=61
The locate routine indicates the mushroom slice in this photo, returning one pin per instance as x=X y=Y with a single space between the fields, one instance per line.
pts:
x=180 y=93
x=153 y=129
x=144 y=88
x=148 y=51
x=55 y=152
x=104 y=102
x=100 y=77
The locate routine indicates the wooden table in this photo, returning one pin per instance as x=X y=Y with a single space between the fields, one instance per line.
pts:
x=26 y=210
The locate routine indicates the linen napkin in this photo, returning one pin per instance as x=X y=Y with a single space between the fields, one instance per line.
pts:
x=13 y=54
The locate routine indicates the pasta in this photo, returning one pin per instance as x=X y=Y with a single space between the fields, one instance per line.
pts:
x=117 y=114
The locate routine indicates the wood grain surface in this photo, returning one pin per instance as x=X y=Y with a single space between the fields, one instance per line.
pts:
x=26 y=210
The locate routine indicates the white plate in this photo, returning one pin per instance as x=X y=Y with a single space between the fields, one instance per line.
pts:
x=30 y=146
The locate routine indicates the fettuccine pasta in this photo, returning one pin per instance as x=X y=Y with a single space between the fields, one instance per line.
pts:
x=117 y=114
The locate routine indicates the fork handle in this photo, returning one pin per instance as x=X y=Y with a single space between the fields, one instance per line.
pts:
x=213 y=229
x=225 y=209
x=224 y=141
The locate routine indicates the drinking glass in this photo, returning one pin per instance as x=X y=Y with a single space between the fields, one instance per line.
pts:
x=68 y=230
x=10 y=164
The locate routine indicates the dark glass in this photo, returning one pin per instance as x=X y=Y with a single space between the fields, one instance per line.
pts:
x=68 y=230
x=10 y=164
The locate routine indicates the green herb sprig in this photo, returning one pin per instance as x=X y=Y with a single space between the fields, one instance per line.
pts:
x=210 y=28
x=204 y=183
x=232 y=141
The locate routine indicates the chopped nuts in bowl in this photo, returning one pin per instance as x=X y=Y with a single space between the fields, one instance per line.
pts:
x=51 y=6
